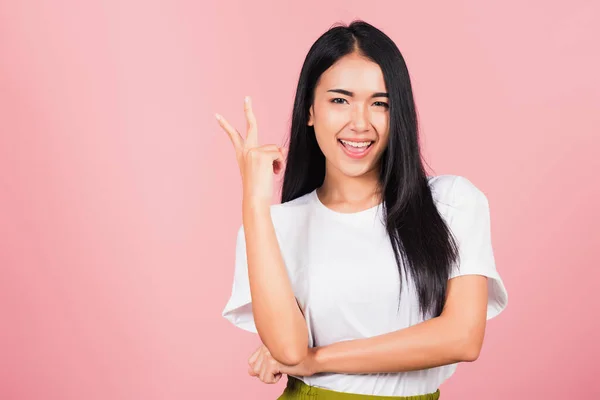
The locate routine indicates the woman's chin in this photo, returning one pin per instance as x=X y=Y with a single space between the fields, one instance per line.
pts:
x=354 y=170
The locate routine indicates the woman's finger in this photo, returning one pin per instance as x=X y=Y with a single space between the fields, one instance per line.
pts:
x=252 y=370
x=251 y=125
x=277 y=158
x=270 y=147
x=270 y=370
x=234 y=135
x=254 y=355
x=264 y=373
x=258 y=363
x=274 y=154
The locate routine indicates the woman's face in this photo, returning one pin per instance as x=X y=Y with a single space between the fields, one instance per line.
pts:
x=351 y=105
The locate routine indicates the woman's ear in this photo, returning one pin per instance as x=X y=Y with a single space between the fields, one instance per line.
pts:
x=310 y=116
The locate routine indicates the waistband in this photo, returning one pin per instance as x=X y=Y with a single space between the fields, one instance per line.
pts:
x=298 y=390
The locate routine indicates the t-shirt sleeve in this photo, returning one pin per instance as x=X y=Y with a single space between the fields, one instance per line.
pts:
x=238 y=309
x=470 y=224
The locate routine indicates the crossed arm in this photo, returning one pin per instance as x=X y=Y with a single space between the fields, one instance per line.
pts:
x=455 y=336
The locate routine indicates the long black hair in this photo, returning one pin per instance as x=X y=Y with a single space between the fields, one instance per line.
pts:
x=422 y=243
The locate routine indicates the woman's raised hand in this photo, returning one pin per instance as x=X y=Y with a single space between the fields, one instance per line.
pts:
x=257 y=163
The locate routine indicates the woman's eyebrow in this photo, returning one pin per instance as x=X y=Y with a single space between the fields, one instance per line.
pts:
x=350 y=94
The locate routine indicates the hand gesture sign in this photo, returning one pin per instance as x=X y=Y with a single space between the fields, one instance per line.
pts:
x=257 y=163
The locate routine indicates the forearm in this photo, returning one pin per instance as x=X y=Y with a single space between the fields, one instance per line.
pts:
x=429 y=344
x=279 y=321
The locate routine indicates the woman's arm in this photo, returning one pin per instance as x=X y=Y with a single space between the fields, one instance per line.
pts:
x=455 y=336
x=278 y=318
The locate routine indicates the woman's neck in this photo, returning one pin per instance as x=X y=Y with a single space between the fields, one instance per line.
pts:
x=350 y=192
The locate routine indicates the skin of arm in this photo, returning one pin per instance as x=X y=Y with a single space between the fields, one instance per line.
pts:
x=455 y=336
x=278 y=318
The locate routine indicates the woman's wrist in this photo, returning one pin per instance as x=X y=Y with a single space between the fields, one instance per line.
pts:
x=255 y=202
x=252 y=207
x=316 y=359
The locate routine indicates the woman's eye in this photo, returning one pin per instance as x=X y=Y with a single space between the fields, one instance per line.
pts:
x=337 y=98
x=378 y=103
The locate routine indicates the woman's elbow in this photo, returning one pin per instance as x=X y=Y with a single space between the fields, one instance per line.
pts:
x=297 y=351
x=289 y=347
x=471 y=353
x=294 y=357
x=471 y=347
x=471 y=341
x=467 y=344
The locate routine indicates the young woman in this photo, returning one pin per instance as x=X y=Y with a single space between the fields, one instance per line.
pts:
x=370 y=278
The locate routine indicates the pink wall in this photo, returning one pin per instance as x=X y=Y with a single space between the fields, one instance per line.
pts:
x=120 y=195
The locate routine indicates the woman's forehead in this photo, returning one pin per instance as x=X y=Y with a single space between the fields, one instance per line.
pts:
x=356 y=75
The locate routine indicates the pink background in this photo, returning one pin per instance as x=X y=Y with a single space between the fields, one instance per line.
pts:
x=120 y=196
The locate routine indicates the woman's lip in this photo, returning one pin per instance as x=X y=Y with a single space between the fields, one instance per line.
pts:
x=355 y=155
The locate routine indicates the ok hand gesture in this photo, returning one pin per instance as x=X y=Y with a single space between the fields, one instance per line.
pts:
x=257 y=163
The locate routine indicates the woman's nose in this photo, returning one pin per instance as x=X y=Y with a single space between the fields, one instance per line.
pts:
x=360 y=118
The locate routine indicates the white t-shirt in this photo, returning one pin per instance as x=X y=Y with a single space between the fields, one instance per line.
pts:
x=345 y=278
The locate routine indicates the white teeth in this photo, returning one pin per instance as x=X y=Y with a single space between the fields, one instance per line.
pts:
x=355 y=144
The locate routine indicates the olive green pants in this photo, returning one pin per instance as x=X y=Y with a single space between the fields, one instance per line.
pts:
x=298 y=390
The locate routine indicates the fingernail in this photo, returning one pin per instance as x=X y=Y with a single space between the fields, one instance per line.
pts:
x=247 y=99
x=218 y=116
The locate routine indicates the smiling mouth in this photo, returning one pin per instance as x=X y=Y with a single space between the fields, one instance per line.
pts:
x=356 y=150
x=356 y=147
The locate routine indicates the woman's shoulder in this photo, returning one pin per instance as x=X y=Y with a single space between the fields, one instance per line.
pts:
x=454 y=189
x=292 y=208
x=291 y=214
x=288 y=215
